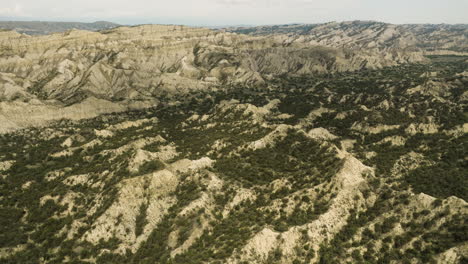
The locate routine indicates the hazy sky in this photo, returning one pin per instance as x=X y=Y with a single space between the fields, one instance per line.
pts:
x=224 y=12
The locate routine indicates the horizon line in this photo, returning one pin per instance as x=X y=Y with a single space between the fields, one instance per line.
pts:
x=24 y=19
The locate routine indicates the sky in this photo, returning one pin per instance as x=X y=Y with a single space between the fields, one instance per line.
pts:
x=237 y=12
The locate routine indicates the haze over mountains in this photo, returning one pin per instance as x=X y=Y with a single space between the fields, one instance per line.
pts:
x=325 y=143
x=369 y=34
x=45 y=27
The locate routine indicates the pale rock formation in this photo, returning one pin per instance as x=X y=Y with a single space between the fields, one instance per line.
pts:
x=458 y=130
x=154 y=189
x=126 y=67
x=104 y=133
x=20 y=114
x=5 y=165
x=350 y=181
x=241 y=195
x=129 y=124
x=413 y=129
x=277 y=134
x=321 y=134
x=373 y=129
x=186 y=165
x=394 y=140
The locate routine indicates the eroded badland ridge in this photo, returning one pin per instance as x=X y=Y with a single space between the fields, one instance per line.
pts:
x=333 y=143
x=133 y=64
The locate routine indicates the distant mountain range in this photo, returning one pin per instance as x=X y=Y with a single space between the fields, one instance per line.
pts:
x=369 y=34
x=46 y=27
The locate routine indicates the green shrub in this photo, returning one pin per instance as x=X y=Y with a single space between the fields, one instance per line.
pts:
x=140 y=221
x=151 y=166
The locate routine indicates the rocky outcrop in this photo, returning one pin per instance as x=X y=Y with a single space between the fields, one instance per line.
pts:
x=17 y=114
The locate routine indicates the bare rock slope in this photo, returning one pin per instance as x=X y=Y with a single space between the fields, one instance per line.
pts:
x=132 y=65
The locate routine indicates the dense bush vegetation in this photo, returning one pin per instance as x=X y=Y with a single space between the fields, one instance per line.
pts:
x=150 y=166
x=351 y=103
